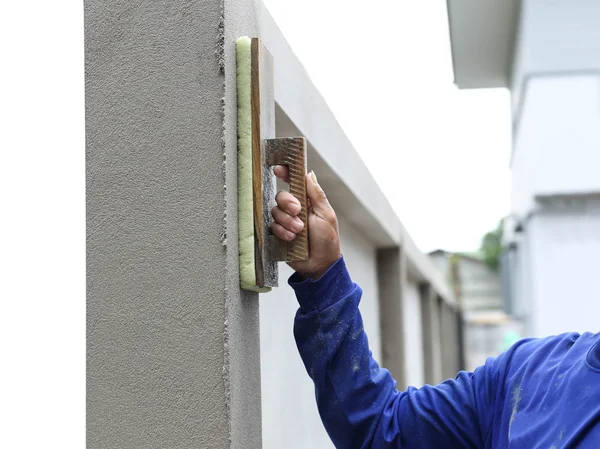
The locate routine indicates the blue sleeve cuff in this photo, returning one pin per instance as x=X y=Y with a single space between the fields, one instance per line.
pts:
x=334 y=285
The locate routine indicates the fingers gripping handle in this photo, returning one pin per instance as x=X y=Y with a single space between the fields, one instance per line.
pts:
x=291 y=151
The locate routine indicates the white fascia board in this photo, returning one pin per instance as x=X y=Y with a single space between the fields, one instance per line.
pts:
x=482 y=38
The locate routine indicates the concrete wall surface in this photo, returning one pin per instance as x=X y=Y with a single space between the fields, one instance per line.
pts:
x=172 y=344
x=156 y=266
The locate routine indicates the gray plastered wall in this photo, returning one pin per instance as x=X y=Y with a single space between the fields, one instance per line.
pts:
x=171 y=341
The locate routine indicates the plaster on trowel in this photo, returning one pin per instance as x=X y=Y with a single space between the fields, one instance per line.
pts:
x=258 y=151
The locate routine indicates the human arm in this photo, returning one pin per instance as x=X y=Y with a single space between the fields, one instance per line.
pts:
x=357 y=400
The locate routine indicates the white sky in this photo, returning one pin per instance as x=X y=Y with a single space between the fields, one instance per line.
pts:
x=439 y=154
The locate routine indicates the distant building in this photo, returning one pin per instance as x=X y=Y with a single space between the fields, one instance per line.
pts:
x=548 y=55
x=487 y=328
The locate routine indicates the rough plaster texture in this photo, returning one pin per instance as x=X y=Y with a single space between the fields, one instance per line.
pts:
x=290 y=415
x=169 y=337
x=239 y=19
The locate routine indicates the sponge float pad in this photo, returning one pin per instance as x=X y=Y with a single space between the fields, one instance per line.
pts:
x=245 y=196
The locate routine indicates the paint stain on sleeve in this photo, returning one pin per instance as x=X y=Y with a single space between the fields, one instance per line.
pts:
x=516 y=399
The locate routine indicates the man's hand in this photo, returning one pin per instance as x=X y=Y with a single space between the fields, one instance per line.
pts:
x=323 y=233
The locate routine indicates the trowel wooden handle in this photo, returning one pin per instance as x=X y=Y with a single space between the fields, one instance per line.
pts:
x=291 y=151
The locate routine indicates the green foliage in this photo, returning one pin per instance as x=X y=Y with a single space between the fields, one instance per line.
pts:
x=491 y=247
x=454 y=259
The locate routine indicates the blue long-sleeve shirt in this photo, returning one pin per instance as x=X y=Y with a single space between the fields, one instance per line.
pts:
x=541 y=393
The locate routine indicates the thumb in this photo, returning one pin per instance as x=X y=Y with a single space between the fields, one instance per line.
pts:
x=316 y=195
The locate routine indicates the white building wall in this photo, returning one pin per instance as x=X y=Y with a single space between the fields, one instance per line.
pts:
x=557 y=140
x=289 y=412
x=565 y=249
x=556 y=151
x=413 y=334
x=556 y=35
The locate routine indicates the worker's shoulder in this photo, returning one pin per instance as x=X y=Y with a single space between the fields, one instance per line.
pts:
x=537 y=352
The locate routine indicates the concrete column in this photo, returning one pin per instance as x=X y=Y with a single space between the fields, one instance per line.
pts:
x=454 y=322
x=431 y=335
x=172 y=344
x=445 y=344
x=450 y=345
x=391 y=271
x=460 y=339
